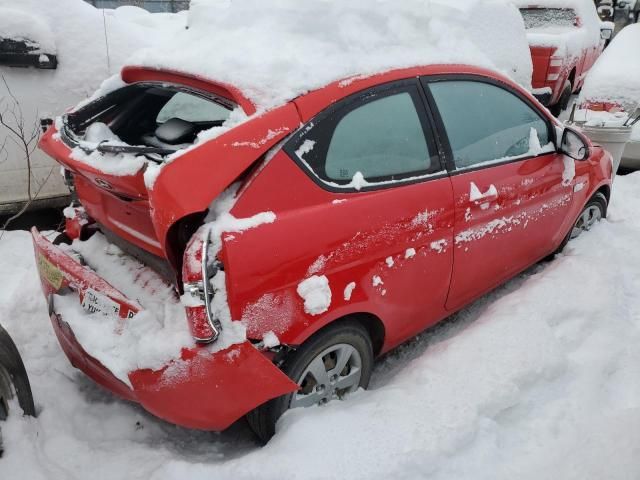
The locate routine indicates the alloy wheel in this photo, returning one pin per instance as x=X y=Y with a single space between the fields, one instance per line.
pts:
x=332 y=374
x=588 y=218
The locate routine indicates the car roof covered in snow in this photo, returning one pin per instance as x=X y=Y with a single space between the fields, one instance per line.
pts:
x=275 y=51
x=24 y=26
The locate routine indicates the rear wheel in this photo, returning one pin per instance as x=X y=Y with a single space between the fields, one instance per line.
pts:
x=6 y=394
x=13 y=380
x=330 y=365
x=563 y=101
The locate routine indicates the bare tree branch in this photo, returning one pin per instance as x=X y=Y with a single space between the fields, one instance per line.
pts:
x=24 y=137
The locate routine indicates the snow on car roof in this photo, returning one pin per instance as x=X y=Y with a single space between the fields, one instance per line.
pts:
x=616 y=75
x=20 y=25
x=275 y=51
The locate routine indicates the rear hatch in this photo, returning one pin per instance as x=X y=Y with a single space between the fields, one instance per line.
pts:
x=110 y=143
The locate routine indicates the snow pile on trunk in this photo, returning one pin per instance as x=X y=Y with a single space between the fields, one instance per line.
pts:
x=539 y=379
x=275 y=51
x=615 y=77
x=152 y=339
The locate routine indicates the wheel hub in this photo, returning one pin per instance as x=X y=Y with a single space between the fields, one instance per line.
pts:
x=332 y=374
x=588 y=218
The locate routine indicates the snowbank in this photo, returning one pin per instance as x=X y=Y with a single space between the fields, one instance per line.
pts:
x=615 y=77
x=275 y=51
x=539 y=379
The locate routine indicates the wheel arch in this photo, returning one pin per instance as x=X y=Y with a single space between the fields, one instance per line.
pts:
x=572 y=78
x=372 y=323
x=606 y=191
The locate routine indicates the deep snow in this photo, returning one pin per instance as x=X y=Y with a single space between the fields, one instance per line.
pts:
x=324 y=41
x=540 y=379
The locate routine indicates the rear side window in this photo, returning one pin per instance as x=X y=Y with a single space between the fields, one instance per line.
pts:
x=380 y=136
x=486 y=123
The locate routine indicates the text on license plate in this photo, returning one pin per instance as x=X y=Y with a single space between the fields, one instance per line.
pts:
x=94 y=302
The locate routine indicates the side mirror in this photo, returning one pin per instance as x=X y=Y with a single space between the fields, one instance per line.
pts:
x=606 y=33
x=573 y=145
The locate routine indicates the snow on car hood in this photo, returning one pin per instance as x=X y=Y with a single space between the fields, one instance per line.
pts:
x=275 y=51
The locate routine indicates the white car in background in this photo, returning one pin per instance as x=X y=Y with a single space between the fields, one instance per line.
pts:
x=53 y=55
x=611 y=91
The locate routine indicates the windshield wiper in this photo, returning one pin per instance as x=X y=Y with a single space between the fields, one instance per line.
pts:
x=141 y=150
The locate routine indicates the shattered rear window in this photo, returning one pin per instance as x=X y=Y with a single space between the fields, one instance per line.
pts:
x=192 y=109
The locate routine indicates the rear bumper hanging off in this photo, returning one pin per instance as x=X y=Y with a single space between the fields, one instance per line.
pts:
x=201 y=389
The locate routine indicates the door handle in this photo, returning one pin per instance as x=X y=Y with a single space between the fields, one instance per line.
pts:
x=477 y=197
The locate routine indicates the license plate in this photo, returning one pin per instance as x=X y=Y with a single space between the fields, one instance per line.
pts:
x=94 y=302
x=50 y=272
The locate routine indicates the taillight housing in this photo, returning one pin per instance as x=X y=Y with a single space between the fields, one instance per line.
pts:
x=594 y=106
x=197 y=272
x=75 y=219
x=555 y=68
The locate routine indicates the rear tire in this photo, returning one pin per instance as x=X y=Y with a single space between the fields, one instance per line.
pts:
x=62 y=239
x=13 y=380
x=325 y=349
x=563 y=101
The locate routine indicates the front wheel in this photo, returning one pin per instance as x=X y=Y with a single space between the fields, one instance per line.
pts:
x=594 y=211
x=330 y=365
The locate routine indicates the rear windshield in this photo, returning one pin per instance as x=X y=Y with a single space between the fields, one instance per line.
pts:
x=160 y=117
x=548 y=17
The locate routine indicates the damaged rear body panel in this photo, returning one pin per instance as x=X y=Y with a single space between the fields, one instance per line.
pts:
x=200 y=388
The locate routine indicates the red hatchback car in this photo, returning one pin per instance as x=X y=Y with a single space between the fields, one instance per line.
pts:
x=361 y=213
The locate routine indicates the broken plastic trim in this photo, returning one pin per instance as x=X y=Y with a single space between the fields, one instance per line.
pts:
x=208 y=272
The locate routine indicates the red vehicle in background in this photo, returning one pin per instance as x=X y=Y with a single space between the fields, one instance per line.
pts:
x=565 y=42
x=362 y=213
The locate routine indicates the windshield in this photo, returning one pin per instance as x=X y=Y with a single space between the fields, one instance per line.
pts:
x=548 y=17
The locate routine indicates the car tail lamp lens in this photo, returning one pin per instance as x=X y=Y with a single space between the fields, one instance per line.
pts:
x=611 y=107
x=555 y=65
x=197 y=272
x=199 y=324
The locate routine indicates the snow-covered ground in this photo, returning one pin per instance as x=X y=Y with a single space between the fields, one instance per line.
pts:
x=540 y=379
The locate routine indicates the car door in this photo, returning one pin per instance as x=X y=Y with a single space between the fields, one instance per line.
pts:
x=511 y=189
x=371 y=206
